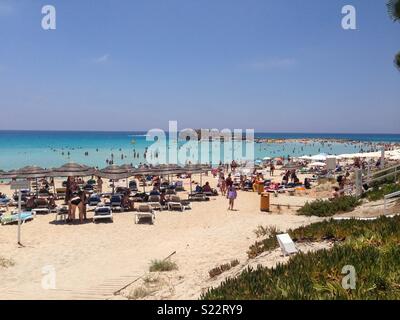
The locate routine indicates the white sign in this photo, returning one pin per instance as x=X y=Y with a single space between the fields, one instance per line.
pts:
x=286 y=243
x=21 y=184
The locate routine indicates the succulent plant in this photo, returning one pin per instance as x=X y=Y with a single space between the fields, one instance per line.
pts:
x=327 y=208
x=372 y=247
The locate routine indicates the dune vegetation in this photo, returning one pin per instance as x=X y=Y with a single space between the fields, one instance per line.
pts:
x=372 y=247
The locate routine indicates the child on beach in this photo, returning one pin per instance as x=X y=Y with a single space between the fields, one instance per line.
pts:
x=231 y=195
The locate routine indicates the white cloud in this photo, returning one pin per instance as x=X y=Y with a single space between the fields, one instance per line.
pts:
x=103 y=59
x=276 y=63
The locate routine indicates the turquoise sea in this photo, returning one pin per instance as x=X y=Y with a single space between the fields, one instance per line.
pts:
x=54 y=148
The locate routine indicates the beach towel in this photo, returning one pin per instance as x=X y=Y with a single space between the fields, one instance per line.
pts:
x=7 y=219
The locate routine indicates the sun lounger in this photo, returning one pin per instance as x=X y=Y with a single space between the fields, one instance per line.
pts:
x=94 y=200
x=211 y=193
x=145 y=211
x=198 y=197
x=133 y=186
x=286 y=243
x=41 y=206
x=61 y=213
x=176 y=203
x=60 y=193
x=103 y=213
x=44 y=194
x=89 y=189
x=116 y=203
x=13 y=218
x=41 y=211
x=154 y=202
x=170 y=192
x=4 y=204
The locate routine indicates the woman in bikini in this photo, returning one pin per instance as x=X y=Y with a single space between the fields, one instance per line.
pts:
x=74 y=203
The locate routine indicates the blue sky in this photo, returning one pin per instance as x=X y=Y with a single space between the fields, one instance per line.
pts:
x=270 y=65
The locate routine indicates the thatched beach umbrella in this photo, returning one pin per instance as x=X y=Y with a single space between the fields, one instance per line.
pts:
x=8 y=175
x=127 y=167
x=32 y=172
x=115 y=172
x=167 y=170
x=72 y=169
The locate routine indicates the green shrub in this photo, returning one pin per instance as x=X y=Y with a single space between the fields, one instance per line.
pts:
x=235 y=263
x=379 y=192
x=215 y=272
x=222 y=268
x=266 y=231
x=372 y=247
x=317 y=275
x=266 y=244
x=332 y=230
x=225 y=267
x=327 y=208
x=387 y=180
x=162 y=265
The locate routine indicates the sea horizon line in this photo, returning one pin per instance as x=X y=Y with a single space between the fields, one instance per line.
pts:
x=144 y=131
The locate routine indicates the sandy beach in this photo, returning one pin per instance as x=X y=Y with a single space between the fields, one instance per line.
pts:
x=96 y=260
x=92 y=261
x=199 y=150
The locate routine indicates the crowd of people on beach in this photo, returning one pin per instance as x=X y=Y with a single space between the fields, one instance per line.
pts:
x=231 y=177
